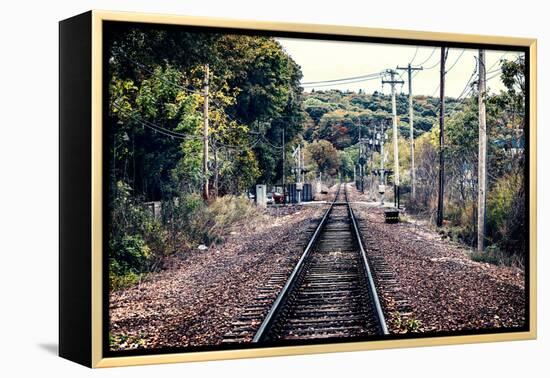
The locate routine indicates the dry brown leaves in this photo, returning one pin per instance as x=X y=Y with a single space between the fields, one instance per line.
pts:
x=194 y=300
x=447 y=290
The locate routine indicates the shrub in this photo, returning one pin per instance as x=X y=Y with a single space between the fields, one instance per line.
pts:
x=178 y=219
x=130 y=254
x=493 y=255
x=211 y=224
x=137 y=241
x=506 y=216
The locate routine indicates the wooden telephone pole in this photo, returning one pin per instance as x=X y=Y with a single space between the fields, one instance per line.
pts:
x=284 y=166
x=482 y=162
x=205 y=134
x=382 y=160
x=409 y=70
x=439 y=221
x=361 y=162
x=392 y=83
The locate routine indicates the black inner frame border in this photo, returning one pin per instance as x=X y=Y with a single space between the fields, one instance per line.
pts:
x=110 y=27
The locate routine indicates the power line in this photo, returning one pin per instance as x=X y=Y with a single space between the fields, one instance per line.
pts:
x=455 y=62
x=155 y=127
x=433 y=66
x=238 y=147
x=344 y=83
x=271 y=144
x=497 y=61
x=435 y=91
x=414 y=56
x=359 y=78
x=495 y=75
x=173 y=134
x=429 y=57
x=189 y=90
x=469 y=82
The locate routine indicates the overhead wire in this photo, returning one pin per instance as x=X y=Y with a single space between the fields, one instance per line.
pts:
x=177 y=85
x=176 y=135
x=428 y=58
x=155 y=127
x=455 y=62
x=344 y=83
x=414 y=56
x=373 y=74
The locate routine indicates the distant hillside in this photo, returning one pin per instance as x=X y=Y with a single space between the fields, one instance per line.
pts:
x=336 y=115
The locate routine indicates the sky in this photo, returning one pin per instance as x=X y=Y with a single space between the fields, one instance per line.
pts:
x=328 y=60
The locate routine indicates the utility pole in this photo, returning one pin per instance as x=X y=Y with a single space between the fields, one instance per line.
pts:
x=216 y=171
x=302 y=172
x=409 y=69
x=392 y=82
x=372 y=143
x=382 y=161
x=205 y=134
x=482 y=162
x=284 y=188
x=439 y=220
x=298 y=171
x=361 y=162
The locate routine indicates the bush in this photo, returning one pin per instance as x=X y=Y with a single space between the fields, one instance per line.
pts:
x=137 y=241
x=178 y=219
x=493 y=255
x=129 y=255
x=117 y=282
x=211 y=224
x=506 y=216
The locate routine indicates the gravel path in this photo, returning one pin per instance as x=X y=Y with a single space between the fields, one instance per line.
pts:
x=195 y=299
x=445 y=288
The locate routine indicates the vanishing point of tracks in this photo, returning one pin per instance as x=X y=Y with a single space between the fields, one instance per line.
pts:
x=331 y=292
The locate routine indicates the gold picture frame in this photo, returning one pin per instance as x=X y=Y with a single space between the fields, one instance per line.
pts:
x=92 y=354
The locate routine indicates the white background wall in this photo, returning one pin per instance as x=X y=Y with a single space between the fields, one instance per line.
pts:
x=29 y=189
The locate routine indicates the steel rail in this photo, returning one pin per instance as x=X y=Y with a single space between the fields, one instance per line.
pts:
x=282 y=299
x=291 y=282
x=372 y=288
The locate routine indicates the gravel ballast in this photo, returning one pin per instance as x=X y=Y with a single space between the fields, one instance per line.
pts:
x=446 y=290
x=193 y=301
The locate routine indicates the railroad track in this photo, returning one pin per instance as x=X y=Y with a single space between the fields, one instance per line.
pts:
x=331 y=292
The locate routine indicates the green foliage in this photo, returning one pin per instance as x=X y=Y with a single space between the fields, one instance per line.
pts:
x=122 y=341
x=155 y=83
x=324 y=156
x=505 y=236
x=347 y=162
x=407 y=325
x=130 y=255
x=336 y=115
x=254 y=89
x=506 y=216
x=136 y=240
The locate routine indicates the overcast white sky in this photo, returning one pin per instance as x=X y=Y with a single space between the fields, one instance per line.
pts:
x=327 y=60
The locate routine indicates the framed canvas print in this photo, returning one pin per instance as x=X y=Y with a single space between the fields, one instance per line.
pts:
x=235 y=189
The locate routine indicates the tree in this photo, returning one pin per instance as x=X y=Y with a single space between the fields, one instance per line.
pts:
x=254 y=95
x=325 y=157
